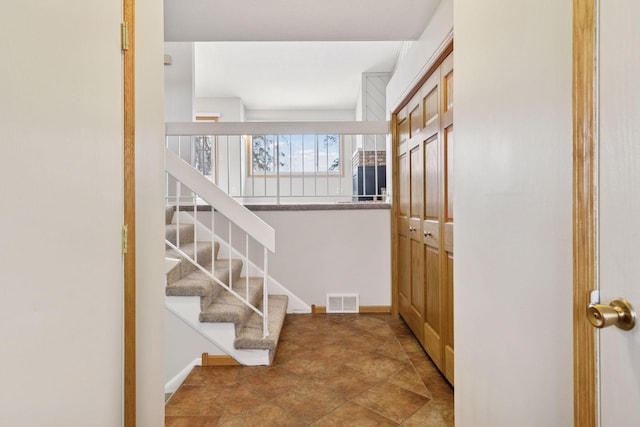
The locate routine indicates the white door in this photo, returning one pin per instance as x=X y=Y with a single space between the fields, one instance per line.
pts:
x=619 y=222
x=61 y=198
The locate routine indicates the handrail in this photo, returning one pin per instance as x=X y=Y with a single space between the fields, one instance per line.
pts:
x=268 y=128
x=225 y=204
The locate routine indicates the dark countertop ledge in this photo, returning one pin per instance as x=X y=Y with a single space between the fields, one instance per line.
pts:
x=341 y=206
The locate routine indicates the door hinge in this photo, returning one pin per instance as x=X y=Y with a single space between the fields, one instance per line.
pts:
x=124 y=35
x=125 y=239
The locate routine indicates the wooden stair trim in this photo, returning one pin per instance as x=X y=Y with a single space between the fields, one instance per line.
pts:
x=218 y=360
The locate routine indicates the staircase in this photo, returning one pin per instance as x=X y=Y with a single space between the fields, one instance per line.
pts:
x=218 y=315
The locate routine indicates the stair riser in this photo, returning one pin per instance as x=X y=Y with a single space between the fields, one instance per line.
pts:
x=169 y=210
x=187 y=268
x=186 y=235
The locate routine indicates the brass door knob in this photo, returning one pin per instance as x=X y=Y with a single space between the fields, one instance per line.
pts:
x=619 y=312
x=427 y=234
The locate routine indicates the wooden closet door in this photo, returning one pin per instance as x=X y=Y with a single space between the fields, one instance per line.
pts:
x=430 y=94
x=448 y=137
x=403 y=192
x=410 y=166
x=424 y=214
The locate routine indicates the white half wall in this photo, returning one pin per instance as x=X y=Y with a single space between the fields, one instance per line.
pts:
x=513 y=253
x=333 y=251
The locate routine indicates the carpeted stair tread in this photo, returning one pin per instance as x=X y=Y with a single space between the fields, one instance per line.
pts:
x=250 y=336
x=228 y=308
x=198 y=283
x=186 y=233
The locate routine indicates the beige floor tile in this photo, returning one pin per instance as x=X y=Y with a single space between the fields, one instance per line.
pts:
x=353 y=415
x=329 y=370
x=391 y=401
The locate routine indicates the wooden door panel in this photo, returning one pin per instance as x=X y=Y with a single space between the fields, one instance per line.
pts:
x=415 y=116
x=417 y=289
x=404 y=265
x=431 y=113
x=431 y=105
x=449 y=138
x=432 y=288
x=433 y=310
x=403 y=186
x=448 y=339
x=403 y=136
x=431 y=179
x=446 y=70
x=415 y=166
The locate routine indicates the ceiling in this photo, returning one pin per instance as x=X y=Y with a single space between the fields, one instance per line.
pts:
x=290 y=75
x=293 y=54
x=296 y=20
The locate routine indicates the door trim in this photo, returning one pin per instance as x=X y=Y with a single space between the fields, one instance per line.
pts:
x=585 y=404
x=129 y=220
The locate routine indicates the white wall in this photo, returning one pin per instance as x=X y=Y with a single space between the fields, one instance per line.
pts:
x=412 y=64
x=150 y=213
x=229 y=109
x=60 y=261
x=320 y=252
x=513 y=282
x=299 y=115
x=182 y=345
x=513 y=330
x=179 y=82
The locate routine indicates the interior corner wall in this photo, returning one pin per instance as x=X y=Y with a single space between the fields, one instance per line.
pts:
x=150 y=217
x=179 y=82
x=513 y=241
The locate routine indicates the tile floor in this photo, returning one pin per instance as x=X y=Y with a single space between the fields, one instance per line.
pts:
x=329 y=370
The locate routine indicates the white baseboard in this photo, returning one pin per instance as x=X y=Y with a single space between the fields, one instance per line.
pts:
x=176 y=381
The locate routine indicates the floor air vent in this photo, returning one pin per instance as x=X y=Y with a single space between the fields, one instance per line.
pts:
x=342 y=303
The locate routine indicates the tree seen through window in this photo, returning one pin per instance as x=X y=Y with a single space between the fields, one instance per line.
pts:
x=295 y=154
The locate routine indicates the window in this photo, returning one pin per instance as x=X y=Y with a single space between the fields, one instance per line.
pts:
x=201 y=157
x=295 y=154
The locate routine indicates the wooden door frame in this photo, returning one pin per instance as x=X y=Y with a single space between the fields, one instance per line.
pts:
x=129 y=218
x=585 y=403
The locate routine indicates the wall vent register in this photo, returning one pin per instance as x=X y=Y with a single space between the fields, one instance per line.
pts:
x=343 y=303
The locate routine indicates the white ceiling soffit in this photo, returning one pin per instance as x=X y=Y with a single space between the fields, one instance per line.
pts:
x=296 y=20
x=289 y=75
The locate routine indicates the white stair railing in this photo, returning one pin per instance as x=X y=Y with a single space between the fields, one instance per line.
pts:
x=192 y=192
x=288 y=162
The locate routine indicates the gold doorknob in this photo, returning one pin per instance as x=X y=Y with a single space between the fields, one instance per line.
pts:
x=619 y=312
